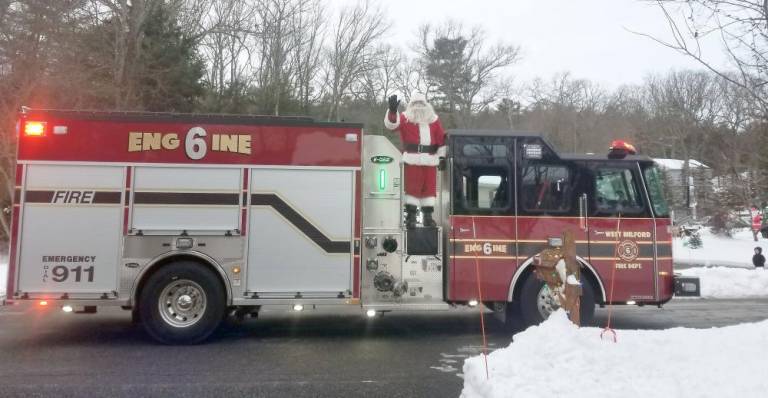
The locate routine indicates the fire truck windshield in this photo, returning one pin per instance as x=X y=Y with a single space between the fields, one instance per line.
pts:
x=656 y=191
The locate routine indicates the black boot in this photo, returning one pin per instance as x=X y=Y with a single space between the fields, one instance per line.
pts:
x=410 y=216
x=427 y=214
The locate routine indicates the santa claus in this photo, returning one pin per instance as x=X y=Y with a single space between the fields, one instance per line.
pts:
x=423 y=141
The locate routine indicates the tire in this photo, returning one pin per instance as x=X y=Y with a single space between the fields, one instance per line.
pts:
x=513 y=321
x=529 y=299
x=182 y=303
x=135 y=317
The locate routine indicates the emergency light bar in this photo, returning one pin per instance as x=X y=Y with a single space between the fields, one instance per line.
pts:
x=619 y=149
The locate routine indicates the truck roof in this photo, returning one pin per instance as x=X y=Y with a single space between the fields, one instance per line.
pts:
x=495 y=133
x=533 y=134
x=139 y=116
x=604 y=156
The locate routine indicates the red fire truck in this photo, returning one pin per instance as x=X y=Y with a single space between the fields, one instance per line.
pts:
x=185 y=219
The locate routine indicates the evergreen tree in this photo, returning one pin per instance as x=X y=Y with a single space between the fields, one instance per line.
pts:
x=164 y=73
x=170 y=72
x=448 y=69
x=694 y=242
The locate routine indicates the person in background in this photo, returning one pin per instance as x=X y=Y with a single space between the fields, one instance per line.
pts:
x=758 y=260
x=757 y=222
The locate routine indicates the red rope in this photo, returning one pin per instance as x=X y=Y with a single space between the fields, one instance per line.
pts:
x=480 y=302
x=613 y=281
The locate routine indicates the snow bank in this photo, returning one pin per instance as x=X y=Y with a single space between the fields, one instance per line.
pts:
x=723 y=282
x=3 y=276
x=557 y=359
x=719 y=250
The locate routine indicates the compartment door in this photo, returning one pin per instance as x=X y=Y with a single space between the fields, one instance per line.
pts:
x=71 y=229
x=300 y=232
x=199 y=200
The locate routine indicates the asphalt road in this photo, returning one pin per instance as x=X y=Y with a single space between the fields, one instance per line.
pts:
x=282 y=354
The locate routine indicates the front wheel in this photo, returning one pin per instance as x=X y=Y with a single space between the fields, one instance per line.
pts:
x=182 y=303
x=537 y=302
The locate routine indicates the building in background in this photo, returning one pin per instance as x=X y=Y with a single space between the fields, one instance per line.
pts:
x=687 y=183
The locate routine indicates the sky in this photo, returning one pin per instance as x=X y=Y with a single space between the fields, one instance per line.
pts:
x=589 y=38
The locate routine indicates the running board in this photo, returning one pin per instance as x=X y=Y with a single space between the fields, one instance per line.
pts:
x=407 y=307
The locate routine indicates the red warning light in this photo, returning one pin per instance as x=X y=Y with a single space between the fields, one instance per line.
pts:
x=34 y=128
x=619 y=149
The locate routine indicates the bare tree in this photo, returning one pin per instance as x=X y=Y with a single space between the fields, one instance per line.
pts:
x=409 y=77
x=226 y=49
x=685 y=107
x=351 y=52
x=569 y=109
x=269 y=48
x=276 y=35
x=378 y=82
x=192 y=16
x=742 y=28
x=310 y=27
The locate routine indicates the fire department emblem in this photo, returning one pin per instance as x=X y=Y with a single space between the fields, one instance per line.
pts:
x=628 y=250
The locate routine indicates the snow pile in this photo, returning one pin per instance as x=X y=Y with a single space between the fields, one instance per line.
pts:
x=3 y=276
x=719 y=250
x=723 y=282
x=557 y=359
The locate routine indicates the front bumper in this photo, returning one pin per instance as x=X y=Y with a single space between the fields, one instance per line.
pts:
x=687 y=286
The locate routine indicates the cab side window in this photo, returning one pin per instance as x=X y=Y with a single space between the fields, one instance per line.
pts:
x=616 y=192
x=483 y=190
x=546 y=188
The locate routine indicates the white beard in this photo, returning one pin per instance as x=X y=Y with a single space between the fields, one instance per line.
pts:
x=420 y=114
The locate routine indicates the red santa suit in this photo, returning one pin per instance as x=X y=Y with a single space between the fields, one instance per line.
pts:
x=423 y=145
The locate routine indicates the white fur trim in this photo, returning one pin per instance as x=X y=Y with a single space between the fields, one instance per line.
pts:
x=389 y=125
x=412 y=200
x=430 y=201
x=425 y=138
x=420 y=159
x=441 y=152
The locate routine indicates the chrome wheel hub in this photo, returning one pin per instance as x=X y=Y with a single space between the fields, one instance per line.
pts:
x=546 y=302
x=182 y=303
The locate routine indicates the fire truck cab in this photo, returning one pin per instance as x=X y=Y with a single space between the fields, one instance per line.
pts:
x=185 y=219
x=503 y=197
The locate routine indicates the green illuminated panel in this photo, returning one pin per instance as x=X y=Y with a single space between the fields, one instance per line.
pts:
x=382 y=179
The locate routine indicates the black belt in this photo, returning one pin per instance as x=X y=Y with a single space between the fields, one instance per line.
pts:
x=413 y=148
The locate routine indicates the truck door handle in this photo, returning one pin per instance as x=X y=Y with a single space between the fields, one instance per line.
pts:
x=583 y=211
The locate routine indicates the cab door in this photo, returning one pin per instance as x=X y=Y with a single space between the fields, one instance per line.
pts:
x=483 y=224
x=621 y=231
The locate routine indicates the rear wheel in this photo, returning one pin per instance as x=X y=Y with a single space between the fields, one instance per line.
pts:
x=537 y=302
x=182 y=303
x=513 y=321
